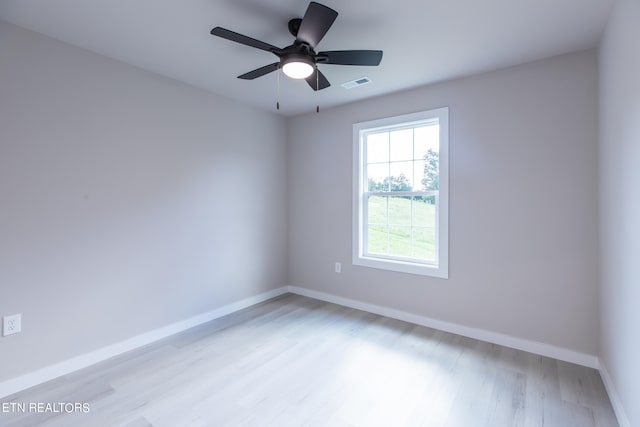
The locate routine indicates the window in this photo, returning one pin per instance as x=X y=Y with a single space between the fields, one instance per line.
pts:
x=401 y=184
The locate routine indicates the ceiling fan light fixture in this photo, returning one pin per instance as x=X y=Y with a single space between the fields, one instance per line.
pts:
x=298 y=66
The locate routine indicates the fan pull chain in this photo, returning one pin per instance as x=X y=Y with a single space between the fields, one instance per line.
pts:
x=278 y=88
x=317 y=87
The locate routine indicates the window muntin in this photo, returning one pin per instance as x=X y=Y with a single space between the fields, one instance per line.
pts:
x=400 y=178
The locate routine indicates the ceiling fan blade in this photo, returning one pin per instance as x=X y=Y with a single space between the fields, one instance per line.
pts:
x=259 y=72
x=317 y=80
x=239 y=38
x=350 y=57
x=315 y=24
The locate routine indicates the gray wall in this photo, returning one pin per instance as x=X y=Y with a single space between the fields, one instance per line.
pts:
x=127 y=200
x=620 y=203
x=523 y=222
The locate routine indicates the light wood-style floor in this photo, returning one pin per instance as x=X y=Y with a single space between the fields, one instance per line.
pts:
x=295 y=361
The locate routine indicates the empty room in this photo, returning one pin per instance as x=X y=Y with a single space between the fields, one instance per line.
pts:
x=295 y=213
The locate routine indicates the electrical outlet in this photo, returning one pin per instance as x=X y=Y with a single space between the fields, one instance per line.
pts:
x=338 y=267
x=11 y=324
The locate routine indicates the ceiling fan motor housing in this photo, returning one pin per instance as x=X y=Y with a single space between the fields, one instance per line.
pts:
x=297 y=57
x=294 y=26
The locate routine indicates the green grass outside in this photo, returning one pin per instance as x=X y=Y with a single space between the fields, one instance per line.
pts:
x=400 y=238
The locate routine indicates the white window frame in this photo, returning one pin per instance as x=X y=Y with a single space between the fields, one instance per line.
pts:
x=439 y=268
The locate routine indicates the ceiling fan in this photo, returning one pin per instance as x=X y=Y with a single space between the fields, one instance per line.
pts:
x=299 y=61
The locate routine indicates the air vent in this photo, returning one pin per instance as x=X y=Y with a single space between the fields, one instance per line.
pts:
x=357 y=82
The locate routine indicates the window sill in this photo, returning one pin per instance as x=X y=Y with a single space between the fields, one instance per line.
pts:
x=402 y=267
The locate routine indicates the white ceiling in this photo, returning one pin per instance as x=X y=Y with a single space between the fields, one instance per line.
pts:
x=424 y=41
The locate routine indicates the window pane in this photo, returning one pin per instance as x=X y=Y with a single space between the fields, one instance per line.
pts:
x=418 y=175
x=377 y=210
x=400 y=241
x=378 y=147
x=431 y=171
x=378 y=177
x=401 y=178
x=401 y=145
x=425 y=138
x=424 y=211
x=400 y=211
x=424 y=243
x=377 y=239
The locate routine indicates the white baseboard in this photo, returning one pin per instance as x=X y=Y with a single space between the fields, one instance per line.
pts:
x=542 y=349
x=623 y=420
x=65 y=367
